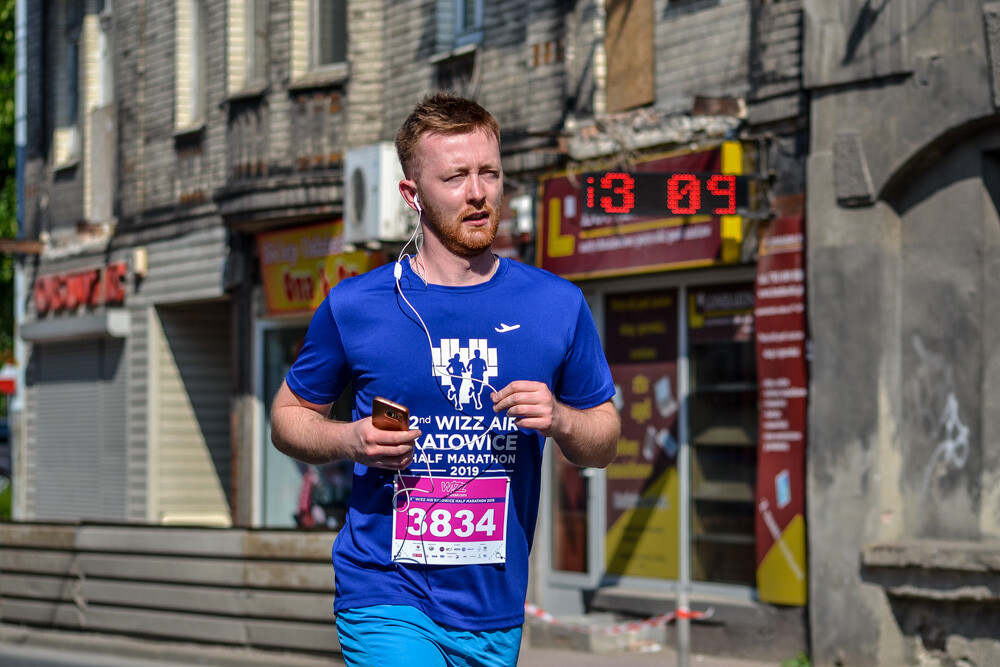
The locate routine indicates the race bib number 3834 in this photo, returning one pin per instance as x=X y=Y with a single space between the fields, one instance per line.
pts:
x=450 y=520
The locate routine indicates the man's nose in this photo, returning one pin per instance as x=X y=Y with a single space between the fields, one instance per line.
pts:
x=474 y=189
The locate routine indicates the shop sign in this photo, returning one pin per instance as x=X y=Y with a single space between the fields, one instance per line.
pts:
x=299 y=266
x=718 y=313
x=643 y=487
x=783 y=394
x=613 y=222
x=72 y=290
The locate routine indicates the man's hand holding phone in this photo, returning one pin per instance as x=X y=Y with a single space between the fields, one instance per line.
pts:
x=386 y=441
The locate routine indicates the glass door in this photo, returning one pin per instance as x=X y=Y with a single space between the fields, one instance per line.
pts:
x=295 y=494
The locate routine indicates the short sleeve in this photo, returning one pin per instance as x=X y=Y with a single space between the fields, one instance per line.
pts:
x=586 y=379
x=320 y=373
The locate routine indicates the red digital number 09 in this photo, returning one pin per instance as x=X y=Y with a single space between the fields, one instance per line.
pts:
x=686 y=189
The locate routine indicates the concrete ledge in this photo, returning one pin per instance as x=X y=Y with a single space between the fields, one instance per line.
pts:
x=958 y=555
x=944 y=596
x=935 y=570
x=255 y=590
x=128 y=647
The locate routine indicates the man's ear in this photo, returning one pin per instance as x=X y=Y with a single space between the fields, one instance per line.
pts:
x=408 y=189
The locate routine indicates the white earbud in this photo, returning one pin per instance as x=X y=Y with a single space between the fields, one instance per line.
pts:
x=416 y=203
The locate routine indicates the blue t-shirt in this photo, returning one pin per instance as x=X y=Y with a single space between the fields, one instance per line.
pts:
x=522 y=324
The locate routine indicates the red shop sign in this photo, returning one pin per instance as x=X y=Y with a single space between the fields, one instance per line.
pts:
x=90 y=288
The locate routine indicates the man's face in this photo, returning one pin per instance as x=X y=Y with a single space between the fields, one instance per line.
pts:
x=459 y=179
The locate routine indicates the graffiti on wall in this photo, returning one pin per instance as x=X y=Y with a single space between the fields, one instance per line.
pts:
x=936 y=414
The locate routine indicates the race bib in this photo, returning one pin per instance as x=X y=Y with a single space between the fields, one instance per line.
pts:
x=450 y=520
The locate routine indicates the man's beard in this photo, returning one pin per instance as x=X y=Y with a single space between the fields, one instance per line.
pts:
x=459 y=238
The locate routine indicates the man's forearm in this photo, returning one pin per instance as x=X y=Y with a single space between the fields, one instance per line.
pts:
x=590 y=437
x=308 y=436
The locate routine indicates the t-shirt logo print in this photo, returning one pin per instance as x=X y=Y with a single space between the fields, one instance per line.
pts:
x=465 y=371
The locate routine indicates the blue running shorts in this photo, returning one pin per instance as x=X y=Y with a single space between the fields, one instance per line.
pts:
x=403 y=636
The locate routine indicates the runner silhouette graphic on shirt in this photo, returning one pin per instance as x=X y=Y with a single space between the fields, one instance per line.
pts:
x=477 y=370
x=456 y=369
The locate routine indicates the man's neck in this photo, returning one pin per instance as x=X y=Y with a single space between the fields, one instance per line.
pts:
x=439 y=266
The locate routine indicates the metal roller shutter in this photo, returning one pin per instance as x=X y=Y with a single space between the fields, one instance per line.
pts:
x=191 y=415
x=79 y=465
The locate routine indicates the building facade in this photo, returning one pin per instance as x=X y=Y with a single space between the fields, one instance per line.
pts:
x=732 y=184
x=200 y=174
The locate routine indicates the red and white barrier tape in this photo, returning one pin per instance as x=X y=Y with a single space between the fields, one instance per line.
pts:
x=534 y=611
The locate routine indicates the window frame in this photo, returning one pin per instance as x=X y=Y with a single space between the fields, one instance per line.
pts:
x=317 y=35
x=466 y=32
x=190 y=80
x=257 y=44
x=66 y=137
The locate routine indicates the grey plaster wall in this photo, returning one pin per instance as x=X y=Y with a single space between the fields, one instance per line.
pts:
x=902 y=261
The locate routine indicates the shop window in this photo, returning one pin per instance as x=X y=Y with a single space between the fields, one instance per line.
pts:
x=644 y=505
x=643 y=483
x=628 y=43
x=723 y=433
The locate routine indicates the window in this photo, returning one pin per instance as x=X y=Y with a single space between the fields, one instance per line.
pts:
x=319 y=35
x=66 y=139
x=246 y=43
x=105 y=56
x=189 y=99
x=468 y=22
x=330 y=32
x=101 y=132
x=257 y=41
x=457 y=23
x=628 y=42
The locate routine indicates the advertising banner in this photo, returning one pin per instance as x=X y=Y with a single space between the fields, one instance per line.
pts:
x=579 y=240
x=783 y=386
x=642 y=482
x=299 y=266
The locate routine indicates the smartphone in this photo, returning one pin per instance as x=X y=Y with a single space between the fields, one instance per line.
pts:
x=390 y=416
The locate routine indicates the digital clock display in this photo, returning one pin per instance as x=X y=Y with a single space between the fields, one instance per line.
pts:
x=658 y=193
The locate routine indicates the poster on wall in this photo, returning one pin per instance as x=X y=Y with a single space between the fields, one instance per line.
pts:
x=642 y=483
x=299 y=266
x=588 y=228
x=783 y=390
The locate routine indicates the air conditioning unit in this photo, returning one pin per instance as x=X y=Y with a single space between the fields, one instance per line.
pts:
x=373 y=208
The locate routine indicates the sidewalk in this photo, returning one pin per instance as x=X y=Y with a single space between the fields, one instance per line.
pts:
x=61 y=649
x=40 y=656
x=14 y=655
x=666 y=657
